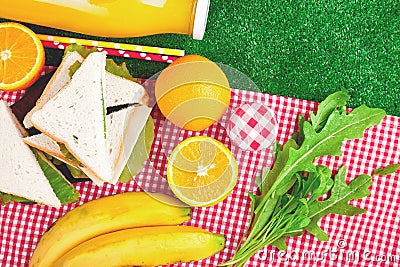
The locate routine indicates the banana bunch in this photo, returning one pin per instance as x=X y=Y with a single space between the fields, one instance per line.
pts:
x=127 y=229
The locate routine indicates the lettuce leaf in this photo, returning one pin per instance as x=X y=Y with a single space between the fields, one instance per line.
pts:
x=7 y=198
x=140 y=152
x=68 y=154
x=112 y=67
x=75 y=172
x=64 y=191
x=82 y=50
x=119 y=70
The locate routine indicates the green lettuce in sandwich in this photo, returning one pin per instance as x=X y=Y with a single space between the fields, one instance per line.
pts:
x=26 y=175
x=96 y=121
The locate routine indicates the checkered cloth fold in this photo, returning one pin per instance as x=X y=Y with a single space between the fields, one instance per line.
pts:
x=370 y=239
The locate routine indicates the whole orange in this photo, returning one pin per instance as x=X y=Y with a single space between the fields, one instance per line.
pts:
x=193 y=92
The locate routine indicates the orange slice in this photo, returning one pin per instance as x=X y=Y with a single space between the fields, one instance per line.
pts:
x=21 y=57
x=201 y=171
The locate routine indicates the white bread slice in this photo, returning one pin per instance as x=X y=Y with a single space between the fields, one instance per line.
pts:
x=49 y=146
x=122 y=91
x=118 y=123
x=126 y=122
x=20 y=173
x=59 y=79
x=76 y=116
x=119 y=90
x=44 y=143
x=134 y=125
x=115 y=137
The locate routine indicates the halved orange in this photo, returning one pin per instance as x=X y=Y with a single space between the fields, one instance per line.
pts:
x=22 y=56
x=201 y=171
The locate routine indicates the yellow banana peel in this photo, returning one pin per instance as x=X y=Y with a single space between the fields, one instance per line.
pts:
x=105 y=215
x=147 y=246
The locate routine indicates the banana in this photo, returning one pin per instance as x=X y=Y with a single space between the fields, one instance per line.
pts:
x=104 y=215
x=147 y=246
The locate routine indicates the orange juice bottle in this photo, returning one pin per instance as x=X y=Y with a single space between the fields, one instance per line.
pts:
x=112 y=18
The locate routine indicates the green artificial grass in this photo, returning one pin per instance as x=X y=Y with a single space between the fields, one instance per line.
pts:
x=301 y=49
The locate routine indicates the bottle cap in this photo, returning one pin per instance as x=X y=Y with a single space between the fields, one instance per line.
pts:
x=200 y=19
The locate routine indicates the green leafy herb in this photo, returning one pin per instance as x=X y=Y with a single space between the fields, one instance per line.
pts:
x=392 y=168
x=341 y=194
x=334 y=101
x=290 y=192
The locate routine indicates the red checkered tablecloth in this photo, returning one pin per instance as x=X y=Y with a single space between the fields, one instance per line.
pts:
x=370 y=239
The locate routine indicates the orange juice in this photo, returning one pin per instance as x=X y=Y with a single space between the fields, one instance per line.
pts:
x=112 y=18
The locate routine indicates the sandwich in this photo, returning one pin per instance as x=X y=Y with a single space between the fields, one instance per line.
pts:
x=25 y=174
x=59 y=79
x=84 y=118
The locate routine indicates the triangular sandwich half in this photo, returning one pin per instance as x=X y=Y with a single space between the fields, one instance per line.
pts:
x=76 y=117
x=119 y=91
x=20 y=172
x=59 y=79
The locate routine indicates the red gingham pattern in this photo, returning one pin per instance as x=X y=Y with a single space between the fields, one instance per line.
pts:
x=252 y=126
x=13 y=96
x=370 y=239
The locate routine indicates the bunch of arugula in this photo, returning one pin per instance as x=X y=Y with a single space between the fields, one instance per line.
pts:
x=290 y=200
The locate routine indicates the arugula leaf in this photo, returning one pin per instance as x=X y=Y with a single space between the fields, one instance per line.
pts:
x=390 y=169
x=290 y=200
x=317 y=183
x=263 y=207
x=281 y=158
x=323 y=175
x=338 y=128
x=326 y=107
x=341 y=194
